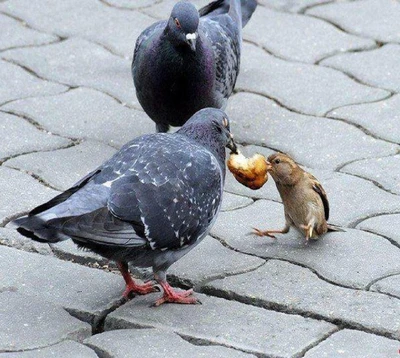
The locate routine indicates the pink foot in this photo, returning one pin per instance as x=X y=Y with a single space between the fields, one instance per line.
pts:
x=172 y=296
x=133 y=288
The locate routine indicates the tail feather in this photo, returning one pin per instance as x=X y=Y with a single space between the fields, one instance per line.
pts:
x=334 y=228
x=219 y=7
x=33 y=227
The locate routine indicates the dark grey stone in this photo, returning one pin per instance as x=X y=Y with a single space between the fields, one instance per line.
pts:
x=298 y=290
x=20 y=193
x=378 y=68
x=303 y=87
x=78 y=62
x=15 y=34
x=93 y=20
x=222 y=322
x=386 y=225
x=154 y=343
x=298 y=37
x=14 y=128
x=313 y=141
x=378 y=19
x=62 y=168
x=66 y=349
x=84 y=292
x=21 y=84
x=354 y=344
x=339 y=257
x=385 y=171
x=209 y=260
x=380 y=118
x=85 y=113
x=29 y=322
x=389 y=285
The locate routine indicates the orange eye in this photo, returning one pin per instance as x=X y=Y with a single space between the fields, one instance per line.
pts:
x=177 y=23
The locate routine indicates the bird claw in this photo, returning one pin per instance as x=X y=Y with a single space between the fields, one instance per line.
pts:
x=184 y=297
x=134 y=289
x=261 y=233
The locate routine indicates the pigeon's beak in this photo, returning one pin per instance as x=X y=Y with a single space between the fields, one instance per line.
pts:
x=232 y=145
x=191 y=41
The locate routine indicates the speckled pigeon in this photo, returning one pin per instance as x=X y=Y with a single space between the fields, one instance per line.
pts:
x=190 y=61
x=148 y=205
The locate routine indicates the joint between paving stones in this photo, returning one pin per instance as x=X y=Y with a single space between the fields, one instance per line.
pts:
x=393 y=242
x=358 y=221
x=382 y=278
x=283 y=308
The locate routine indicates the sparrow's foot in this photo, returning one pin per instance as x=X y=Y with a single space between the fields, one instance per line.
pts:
x=172 y=296
x=261 y=233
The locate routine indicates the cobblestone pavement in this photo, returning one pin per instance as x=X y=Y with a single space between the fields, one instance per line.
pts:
x=320 y=79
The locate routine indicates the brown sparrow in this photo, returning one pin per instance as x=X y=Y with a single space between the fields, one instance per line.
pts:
x=304 y=199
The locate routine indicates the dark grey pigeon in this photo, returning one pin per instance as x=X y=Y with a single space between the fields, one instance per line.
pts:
x=190 y=61
x=148 y=205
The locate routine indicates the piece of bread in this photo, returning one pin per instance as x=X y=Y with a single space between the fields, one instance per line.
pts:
x=251 y=172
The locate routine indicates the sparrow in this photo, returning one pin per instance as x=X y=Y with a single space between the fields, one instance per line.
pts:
x=304 y=199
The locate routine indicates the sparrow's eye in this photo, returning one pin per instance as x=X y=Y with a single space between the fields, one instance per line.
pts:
x=177 y=23
x=277 y=161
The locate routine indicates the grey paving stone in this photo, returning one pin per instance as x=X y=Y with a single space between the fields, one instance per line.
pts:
x=339 y=257
x=14 y=34
x=354 y=344
x=378 y=68
x=66 y=349
x=85 y=113
x=291 y=5
x=20 y=193
x=233 y=201
x=154 y=343
x=223 y=322
x=29 y=322
x=21 y=84
x=119 y=29
x=378 y=19
x=303 y=87
x=162 y=9
x=380 y=118
x=84 y=292
x=10 y=237
x=385 y=171
x=62 y=168
x=297 y=289
x=390 y=285
x=298 y=37
x=14 y=128
x=78 y=62
x=209 y=260
x=313 y=141
x=129 y=4
x=386 y=225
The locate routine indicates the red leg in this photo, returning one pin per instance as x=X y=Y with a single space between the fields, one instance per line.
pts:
x=172 y=296
x=132 y=287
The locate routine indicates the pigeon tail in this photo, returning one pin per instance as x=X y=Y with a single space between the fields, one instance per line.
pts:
x=219 y=7
x=35 y=228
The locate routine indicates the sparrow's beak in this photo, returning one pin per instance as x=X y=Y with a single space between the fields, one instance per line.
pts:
x=269 y=166
x=191 y=40
x=232 y=145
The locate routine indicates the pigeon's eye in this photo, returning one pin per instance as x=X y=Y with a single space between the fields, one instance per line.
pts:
x=277 y=161
x=177 y=23
x=225 y=122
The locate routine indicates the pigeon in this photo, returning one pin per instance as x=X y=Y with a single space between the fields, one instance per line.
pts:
x=190 y=61
x=148 y=205
x=304 y=199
